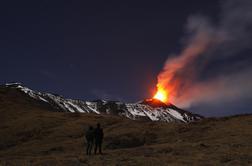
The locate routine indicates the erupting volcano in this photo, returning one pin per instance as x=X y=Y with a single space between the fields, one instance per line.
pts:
x=149 y=109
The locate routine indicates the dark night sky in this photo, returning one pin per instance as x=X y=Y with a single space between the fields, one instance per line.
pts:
x=93 y=49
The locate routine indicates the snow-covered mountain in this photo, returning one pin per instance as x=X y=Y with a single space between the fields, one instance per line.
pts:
x=149 y=109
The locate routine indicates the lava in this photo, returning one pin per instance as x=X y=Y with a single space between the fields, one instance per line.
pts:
x=161 y=95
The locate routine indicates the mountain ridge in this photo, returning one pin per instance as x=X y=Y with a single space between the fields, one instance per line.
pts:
x=148 y=109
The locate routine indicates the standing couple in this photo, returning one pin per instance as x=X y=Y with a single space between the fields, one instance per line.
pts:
x=94 y=136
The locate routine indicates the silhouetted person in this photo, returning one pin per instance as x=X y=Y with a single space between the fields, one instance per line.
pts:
x=90 y=139
x=98 y=138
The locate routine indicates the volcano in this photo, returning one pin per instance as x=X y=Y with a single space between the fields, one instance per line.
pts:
x=147 y=109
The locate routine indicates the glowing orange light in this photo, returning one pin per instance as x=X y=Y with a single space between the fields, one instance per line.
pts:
x=161 y=95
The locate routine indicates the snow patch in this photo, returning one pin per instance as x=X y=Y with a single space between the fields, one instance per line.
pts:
x=75 y=106
x=176 y=114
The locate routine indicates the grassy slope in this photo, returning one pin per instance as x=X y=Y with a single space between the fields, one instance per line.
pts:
x=32 y=135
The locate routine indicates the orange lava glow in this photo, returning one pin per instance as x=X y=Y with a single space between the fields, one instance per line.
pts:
x=161 y=95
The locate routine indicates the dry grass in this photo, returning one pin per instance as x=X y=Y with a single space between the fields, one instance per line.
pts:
x=32 y=135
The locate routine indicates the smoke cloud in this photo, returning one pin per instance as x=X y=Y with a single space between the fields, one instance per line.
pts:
x=215 y=63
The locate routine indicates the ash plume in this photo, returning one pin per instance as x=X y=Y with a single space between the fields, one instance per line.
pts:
x=215 y=63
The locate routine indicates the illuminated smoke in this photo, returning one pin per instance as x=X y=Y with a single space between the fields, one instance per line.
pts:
x=215 y=64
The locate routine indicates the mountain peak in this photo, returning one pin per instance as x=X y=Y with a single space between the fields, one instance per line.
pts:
x=155 y=103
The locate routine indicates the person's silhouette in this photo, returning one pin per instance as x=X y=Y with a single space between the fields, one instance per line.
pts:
x=98 y=138
x=90 y=140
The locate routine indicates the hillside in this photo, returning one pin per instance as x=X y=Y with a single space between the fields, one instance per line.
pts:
x=32 y=134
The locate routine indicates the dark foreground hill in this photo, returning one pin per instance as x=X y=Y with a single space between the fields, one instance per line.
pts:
x=31 y=134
